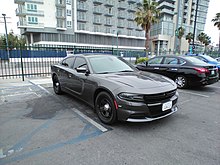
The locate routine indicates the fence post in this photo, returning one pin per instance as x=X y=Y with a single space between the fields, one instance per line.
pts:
x=22 y=66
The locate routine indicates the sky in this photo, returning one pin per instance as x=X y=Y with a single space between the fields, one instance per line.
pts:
x=8 y=7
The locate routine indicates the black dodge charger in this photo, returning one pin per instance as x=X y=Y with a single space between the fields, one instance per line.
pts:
x=115 y=88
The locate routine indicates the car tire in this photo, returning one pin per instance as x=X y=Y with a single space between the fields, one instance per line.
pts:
x=105 y=109
x=56 y=85
x=181 y=81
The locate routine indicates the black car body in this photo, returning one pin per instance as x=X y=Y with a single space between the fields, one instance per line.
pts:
x=184 y=70
x=115 y=89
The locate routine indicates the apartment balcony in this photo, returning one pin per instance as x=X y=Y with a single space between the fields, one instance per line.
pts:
x=61 y=5
x=97 y=11
x=21 y=12
x=131 y=1
x=167 y=11
x=131 y=9
x=108 y=14
x=122 y=5
x=61 y=28
x=130 y=18
x=29 y=1
x=109 y=3
x=81 y=20
x=166 y=5
x=121 y=16
x=97 y=22
x=98 y=1
x=82 y=8
x=24 y=24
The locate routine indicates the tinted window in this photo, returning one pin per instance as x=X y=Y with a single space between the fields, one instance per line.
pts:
x=156 y=60
x=194 y=60
x=108 y=64
x=80 y=63
x=171 y=61
x=68 y=62
x=182 y=61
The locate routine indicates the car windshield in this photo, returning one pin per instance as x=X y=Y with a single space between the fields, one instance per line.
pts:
x=210 y=58
x=108 y=64
x=194 y=60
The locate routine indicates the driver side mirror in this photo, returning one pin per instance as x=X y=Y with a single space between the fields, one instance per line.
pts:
x=82 y=70
x=65 y=64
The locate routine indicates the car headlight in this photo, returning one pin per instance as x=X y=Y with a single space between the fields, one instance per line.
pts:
x=131 y=97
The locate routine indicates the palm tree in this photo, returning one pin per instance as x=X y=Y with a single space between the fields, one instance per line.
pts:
x=180 y=32
x=201 y=37
x=146 y=15
x=207 y=41
x=189 y=37
x=216 y=21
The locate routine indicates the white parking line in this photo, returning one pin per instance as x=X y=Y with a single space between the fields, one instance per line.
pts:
x=183 y=102
x=196 y=94
x=97 y=125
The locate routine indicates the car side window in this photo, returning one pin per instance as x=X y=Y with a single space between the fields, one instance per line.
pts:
x=171 y=61
x=182 y=61
x=80 y=63
x=68 y=62
x=156 y=60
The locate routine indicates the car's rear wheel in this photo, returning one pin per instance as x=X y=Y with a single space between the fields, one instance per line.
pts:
x=56 y=85
x=105 y=109
x=181 y=81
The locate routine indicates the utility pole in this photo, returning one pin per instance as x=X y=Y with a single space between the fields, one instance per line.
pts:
x=194 y=28
x=7 y=48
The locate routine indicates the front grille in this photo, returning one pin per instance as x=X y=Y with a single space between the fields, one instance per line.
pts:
x=156 y=111
x=155 y=98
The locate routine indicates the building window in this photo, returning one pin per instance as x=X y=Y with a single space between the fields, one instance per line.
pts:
x=81 y=26
x=108 y=30
x=68 y=12
x=31 y=7
x=81 y=16
x=97 y=19
x=108 y=21
x=32 y=20
x=69 y=2
x=60 y=23
x=61 y=2
x=97 y=28
x=60 y=12
x=69 y=24
x=81 y=5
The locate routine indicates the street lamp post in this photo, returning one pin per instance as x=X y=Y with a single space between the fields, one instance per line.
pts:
x=7 y=48
x=117 y=43
x=194 y=28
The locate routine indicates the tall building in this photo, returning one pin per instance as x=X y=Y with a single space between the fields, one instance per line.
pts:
x=175 y=14
x=107 y=23
x=103 y=23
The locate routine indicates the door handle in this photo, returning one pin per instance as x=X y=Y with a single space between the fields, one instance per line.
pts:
x=174 y=69
x=69 y=75
x=156 y=68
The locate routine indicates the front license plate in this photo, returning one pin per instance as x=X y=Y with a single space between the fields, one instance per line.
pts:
x=167 y=105
x=212 y=72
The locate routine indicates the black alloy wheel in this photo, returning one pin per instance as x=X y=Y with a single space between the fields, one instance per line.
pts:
x=56 y=85
x=105 y=109
x=181 y=81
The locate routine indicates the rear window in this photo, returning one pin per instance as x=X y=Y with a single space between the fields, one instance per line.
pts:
x=194 y=60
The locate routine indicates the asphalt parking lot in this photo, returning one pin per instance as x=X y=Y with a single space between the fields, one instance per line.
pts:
x=39 y=127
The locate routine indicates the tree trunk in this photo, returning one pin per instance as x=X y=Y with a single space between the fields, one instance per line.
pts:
x=147 y=40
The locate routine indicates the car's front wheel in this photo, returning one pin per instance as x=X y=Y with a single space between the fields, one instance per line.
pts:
x=56 y=85
x=181 y=81
x=105 y=109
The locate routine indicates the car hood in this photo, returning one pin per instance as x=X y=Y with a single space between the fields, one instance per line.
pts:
x=141 y=80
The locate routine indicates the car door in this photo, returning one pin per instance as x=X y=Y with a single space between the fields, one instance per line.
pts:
x=66 y=64
x=76 y=80
x=170 y=67
x=153 y=65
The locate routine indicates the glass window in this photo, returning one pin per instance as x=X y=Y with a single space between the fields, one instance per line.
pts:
x=68 y=62
x=81 y=26
x=80 y=63
x=99 y=66
x=171 y=61
x=156 y=60
x=68 y=12
x=69 y=24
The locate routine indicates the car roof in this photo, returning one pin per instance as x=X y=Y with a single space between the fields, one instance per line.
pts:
x=90 y=54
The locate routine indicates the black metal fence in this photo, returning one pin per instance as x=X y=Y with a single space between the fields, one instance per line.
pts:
x=35 y=61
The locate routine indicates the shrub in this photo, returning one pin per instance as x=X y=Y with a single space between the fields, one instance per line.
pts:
x=141 y=59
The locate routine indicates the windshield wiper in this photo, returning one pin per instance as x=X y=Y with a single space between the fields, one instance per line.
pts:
x=126 y=71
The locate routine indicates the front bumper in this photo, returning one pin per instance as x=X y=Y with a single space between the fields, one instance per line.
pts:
x=143 y=112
